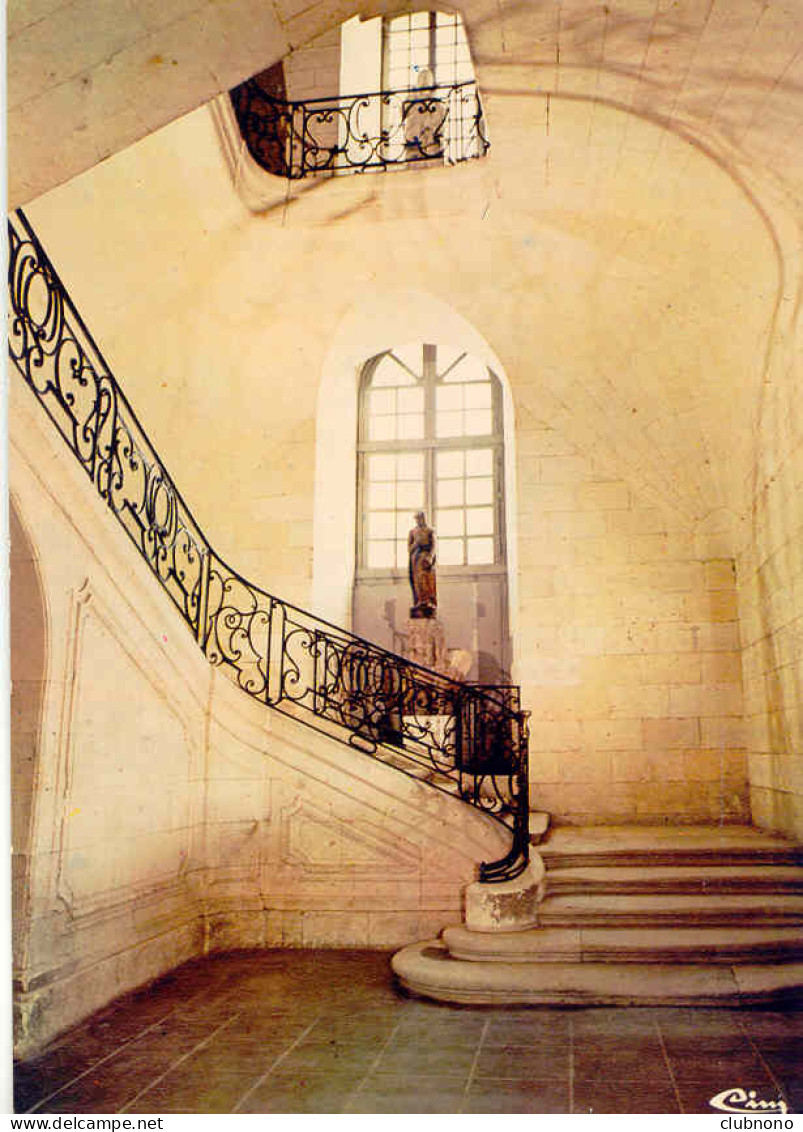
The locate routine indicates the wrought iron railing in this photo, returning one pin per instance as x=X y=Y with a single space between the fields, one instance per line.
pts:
x=466 y=740
x=353 y=133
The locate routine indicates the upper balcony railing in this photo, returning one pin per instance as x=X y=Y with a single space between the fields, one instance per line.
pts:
x=354 y=133
x=463 y=739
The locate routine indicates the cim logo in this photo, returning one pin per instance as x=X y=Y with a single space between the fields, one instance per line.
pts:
x=745 y=1100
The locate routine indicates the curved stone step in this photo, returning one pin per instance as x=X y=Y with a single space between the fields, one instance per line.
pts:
x=666 y=846
x=627 y=945
x=624 y=879
x=644 y=911
x=429 y=970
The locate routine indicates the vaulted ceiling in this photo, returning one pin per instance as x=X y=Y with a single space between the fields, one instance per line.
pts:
x=87 y=78
x=662 y=140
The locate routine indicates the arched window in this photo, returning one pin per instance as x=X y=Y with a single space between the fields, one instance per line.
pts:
x=430 y=437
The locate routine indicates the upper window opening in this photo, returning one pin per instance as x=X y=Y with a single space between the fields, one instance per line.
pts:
x=375 y=94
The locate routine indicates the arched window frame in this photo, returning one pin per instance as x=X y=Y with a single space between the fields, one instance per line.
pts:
x=430 y=444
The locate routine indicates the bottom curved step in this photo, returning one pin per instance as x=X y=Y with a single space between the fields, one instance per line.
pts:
x=429 y=970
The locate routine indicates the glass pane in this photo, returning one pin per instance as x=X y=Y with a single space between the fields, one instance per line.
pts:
x=411 y=356
x=381 y=495
x=449 y=465
x=478 y=396
x=478 y=422
x=480 y=521
x=480 y=551
x=479 y=462
x=381 y=468
x=480 y=490
x=401 y=553
x=450 y=552
x=469 y=369
x=446 y=71
x=446 y=357
x=410 y=400
x=382 y=401
x=411 y=466
x=410 y=426
x=381 y=525
x=450 y=424
x=448 y=398
x=380 y=554
x=449 y=523
x=450 y=493
x=398 y=79
x=382 y=428
x=388 y=372
x=410 y=495
x=419 y=20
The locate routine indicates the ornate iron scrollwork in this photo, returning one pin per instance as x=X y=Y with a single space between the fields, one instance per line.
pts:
x=467 y=740
x=295 y=139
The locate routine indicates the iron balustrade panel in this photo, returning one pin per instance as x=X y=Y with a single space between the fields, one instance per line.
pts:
x=295 y=139
x=466 y=740
x=237 y=624
x=58 y=358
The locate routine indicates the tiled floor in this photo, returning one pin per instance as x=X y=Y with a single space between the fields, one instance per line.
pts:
x=328 y=1032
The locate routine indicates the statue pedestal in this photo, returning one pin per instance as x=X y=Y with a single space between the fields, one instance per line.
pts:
x=425 y=643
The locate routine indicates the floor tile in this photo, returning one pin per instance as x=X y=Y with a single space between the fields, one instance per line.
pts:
x=711 y=1066
x=538 y=1062
x=443 y=1094
x=330 y=1057
x=592 y=1067
x=793 y=1095
x=363 y=1046
x=772 y=1023
x=517 y=1097
x=534 y=1030
x=697 y=1022
x=614 y=1096
x=370 y=1025
x=612 y=1021
x=306 y=1092
x=463 y=1028
x=427 y=1060
x=199 y=1091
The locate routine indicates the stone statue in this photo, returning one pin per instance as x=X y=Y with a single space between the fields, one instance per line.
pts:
x=421 y=548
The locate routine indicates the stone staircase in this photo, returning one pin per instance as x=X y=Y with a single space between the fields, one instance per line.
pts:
x=636 y=915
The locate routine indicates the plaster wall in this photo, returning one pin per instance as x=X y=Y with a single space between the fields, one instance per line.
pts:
x=159 y=812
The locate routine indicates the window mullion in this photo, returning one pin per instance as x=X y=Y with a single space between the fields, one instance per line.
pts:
x=428 y=378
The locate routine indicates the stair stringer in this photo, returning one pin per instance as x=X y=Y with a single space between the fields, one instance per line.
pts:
x=174 y=815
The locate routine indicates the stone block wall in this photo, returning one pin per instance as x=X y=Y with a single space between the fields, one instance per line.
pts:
x=629 y=650
x=313 y=71
x=771 y=610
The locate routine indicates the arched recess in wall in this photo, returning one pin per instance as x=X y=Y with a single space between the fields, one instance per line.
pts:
x=28 y=647
x=371 y=327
